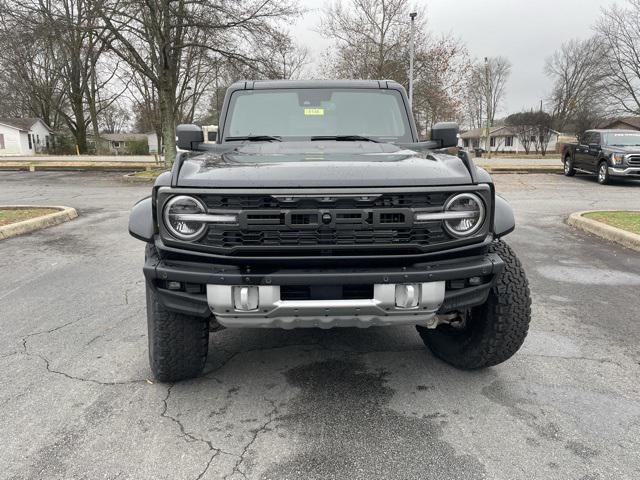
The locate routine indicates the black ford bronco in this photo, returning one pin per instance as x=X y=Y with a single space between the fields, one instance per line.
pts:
x=317 y=206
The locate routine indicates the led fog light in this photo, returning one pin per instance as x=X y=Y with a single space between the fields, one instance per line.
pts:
x=407 y=295
x=245 y=298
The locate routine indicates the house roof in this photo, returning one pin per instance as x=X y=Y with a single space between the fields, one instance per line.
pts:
x=23 y=124
x=123 y=137
x=481 y=132
x=503 y=131
x=633 y=122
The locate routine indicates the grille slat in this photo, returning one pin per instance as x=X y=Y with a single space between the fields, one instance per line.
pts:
x=268 y=223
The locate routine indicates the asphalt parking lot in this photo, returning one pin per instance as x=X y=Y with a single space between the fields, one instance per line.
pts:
x=76 y=402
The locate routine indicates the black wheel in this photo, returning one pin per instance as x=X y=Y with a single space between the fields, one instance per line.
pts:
x=178 y=344
x=603 y=173
x=569 y=171
x=492 y=332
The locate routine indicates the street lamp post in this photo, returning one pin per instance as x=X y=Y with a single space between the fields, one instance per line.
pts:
x=413 y=18
x=488 y=93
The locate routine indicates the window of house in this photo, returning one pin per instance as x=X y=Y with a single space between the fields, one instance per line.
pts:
x=508 y=141
x=476 y=143
x=46 y=141
x=30 y=141
x=116 y=144
x=466 y=143
x=1 y=141
x=492 y=141
x=38 y=139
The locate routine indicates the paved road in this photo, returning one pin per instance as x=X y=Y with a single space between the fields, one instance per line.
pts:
x=75 y=401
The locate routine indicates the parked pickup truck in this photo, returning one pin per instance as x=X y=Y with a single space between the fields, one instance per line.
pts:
x=607 y=153
x=317 y=206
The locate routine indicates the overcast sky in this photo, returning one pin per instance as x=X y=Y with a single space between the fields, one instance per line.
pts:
x=525 y=31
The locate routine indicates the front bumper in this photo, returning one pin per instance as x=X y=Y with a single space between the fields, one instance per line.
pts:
x=631 y=172
x=206 y=289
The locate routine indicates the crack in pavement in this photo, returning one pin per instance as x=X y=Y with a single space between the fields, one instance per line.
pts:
x=25 y=351
x=256 y=434
x=189 y=437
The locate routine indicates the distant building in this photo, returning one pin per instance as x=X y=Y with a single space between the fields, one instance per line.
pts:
x=502 y=139
x=120 y=143
x=623 y=123
x=24 y=136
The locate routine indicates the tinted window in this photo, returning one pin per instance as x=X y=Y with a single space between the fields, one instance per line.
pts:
x=587 y=138
x=299 y=114
x=622 y=139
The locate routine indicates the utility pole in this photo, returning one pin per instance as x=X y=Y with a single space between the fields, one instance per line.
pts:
x=413 y=28
x=488 y=101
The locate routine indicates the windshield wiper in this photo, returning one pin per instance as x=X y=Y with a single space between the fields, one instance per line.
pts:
x=254 y=138
x=344 y=138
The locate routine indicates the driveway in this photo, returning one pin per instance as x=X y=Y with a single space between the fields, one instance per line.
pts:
x=76 y=401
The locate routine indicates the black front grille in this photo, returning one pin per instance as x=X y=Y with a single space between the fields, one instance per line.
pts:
x=317 y=225
x=634 y=160
x=418 y=235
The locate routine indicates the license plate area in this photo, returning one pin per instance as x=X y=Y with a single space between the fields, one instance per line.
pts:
x=326 y=292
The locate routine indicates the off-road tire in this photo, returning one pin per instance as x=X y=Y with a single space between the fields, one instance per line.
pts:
x=178 y=344
x=495 y=330
x=569 y=171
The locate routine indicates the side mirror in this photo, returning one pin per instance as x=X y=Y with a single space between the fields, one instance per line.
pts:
x=188 y=135
x=446 y=134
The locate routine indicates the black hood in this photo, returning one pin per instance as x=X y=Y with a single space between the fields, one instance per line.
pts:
x=321 y=164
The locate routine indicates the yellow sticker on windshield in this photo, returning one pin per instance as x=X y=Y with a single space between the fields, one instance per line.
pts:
x=314 y=111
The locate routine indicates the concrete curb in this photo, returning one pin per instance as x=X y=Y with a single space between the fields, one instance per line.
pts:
x=497 y=169
x=131 y=178
x=602 y=230
x=26 y=226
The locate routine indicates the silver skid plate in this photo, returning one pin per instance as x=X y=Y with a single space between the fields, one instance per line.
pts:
x=272 y=312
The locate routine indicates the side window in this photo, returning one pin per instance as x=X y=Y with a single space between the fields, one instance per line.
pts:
x=30 y=142
x=2 y=141
x=595 y=138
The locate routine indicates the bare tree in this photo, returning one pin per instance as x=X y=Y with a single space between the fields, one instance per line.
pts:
x=152 y=37
x=474 y=99
x=370 y=39
x=576 y=69
x=491 y=77
x=617 y=29
x=533 y=129
x=29 y=78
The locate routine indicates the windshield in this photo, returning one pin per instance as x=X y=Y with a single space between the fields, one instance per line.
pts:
x=300 y=114
x=622 y=139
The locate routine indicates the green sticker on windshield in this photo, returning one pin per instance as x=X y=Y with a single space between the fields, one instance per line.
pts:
x=314 y=111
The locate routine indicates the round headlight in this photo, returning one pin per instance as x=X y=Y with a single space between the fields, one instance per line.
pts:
x=177 y=213
x=467 y=214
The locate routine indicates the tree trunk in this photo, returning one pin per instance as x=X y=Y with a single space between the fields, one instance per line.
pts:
x=168 y=113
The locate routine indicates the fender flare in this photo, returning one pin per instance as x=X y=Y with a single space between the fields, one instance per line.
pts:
x=504 y=221
x=141 y=220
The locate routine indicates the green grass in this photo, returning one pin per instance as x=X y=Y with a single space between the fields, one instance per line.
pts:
x=8 y=216
x=629 y=221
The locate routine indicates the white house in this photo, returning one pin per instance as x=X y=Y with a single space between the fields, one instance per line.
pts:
x=24 y=136
x=502 y=139
x=118 y=143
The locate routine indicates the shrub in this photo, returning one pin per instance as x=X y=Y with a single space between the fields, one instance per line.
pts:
x=138 y=147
